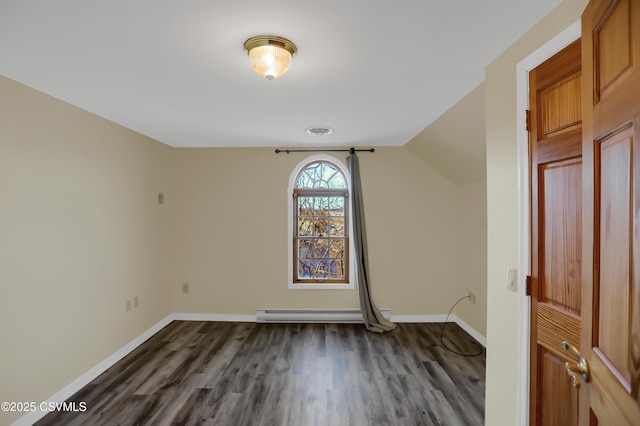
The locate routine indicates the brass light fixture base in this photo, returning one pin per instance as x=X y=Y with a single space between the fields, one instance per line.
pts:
x=271 y=55
x=270 y=41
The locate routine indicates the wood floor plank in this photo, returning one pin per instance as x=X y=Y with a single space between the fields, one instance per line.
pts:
x=212 y=373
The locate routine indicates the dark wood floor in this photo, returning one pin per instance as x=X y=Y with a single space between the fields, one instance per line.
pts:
x=237 y=374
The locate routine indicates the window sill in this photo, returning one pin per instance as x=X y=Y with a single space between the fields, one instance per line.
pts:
x=313 y=286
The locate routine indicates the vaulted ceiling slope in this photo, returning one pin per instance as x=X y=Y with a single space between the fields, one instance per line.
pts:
x=455 y=143
x=377 y=72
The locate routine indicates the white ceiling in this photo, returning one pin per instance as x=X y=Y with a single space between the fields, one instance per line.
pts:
x=377 y=71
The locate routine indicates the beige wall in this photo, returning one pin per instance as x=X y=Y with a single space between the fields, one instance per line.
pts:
x=230 y=245
x=502 y=205
x=80 y=233
x=471 y=253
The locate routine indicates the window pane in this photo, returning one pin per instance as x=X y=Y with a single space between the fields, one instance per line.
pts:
x=304 y=181
x=336 y=206
x=336 y=269
x=305 y=227
x=337 y=181
x=305 y=206
x=305 y=249
x=321 y=226
x=313 y=173
x=336 y=249
x=321 y=175
x=305 y=269
x=336 y=227
x=322 y=206
x=322 y=270
x=321 y=249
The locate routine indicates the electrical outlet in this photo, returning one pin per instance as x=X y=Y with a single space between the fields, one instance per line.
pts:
x=136 y=302
x=128 y=305
x=472 y=297
x=185 y=288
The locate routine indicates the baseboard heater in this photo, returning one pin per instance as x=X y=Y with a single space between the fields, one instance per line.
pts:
x=314 y=315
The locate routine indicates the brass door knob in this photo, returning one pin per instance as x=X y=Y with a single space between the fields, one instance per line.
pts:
x=576 y=371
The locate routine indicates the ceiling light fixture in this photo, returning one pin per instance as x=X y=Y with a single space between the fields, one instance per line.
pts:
x=271 y=55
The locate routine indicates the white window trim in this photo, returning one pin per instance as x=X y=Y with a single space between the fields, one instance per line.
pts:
x=292 y=180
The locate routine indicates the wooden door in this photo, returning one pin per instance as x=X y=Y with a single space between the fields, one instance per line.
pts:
x=555 y=140
x=611 y=197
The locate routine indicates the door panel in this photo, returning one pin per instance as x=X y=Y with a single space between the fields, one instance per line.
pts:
x=556 y=212
x=559 y=107
x=555 y=326
x=612 y=48
x=611 y=217
x=560 y=285
x=614 y=161
x=555 y=387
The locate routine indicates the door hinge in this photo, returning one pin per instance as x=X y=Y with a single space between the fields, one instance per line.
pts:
x=527 y=123
x=528 y=286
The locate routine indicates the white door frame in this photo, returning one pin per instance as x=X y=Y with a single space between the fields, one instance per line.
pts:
x=540 y=55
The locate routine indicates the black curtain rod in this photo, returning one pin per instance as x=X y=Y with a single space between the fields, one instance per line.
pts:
x=278 y=151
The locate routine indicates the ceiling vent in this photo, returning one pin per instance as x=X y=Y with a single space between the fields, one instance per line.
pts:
x=319 y=131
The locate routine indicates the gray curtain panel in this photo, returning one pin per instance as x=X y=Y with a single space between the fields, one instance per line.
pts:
x=373 y=319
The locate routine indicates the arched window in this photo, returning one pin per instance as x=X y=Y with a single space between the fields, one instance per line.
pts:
x=320 y=222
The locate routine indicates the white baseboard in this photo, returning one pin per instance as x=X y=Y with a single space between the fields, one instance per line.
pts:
x=213 y=317
x=441 y=318
x=90 y=375
x=419 y=318
x=472 y=332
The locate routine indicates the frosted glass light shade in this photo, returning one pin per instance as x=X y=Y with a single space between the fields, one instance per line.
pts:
x=271 y=55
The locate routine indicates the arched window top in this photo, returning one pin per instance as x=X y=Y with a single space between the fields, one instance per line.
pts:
x=320 y=174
